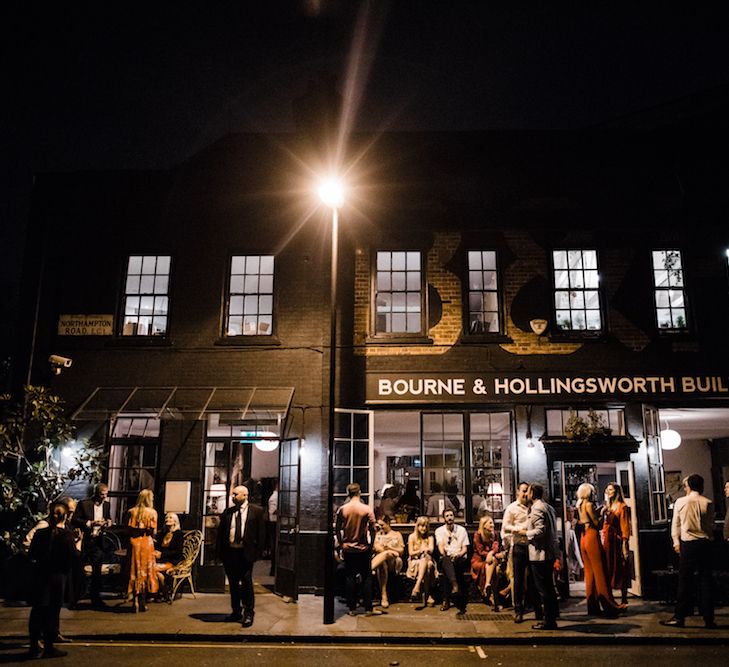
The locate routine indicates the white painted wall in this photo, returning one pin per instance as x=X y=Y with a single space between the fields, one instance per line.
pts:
x=693 y=456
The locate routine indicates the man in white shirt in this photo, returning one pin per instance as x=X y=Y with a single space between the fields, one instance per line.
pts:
x=271 y=525
x=513 y=535
x=692 y=531
x=452 y=542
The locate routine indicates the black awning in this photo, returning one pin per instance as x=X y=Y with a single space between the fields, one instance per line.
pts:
x=233 y=405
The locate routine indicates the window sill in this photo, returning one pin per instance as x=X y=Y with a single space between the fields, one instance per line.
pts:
x=139 y=341
x=247 y=341
x=471 y=339
x=399 y=340
x=577 y=337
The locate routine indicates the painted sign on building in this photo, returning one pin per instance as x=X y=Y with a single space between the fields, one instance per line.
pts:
x=85 y=325
x=494 y=387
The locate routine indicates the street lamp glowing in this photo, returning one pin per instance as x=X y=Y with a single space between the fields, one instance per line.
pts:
x=331 y=192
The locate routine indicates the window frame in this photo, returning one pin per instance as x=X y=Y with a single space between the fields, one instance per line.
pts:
x=228 y=294
x=124 y=296
x=117 y=496
x=580 y=334
x=399 y=336
x=670 y=331
x=499 y=334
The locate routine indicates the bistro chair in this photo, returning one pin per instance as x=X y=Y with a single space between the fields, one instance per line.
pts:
x=183 y=570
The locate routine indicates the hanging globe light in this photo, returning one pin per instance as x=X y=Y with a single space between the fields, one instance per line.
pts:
x=670 y=439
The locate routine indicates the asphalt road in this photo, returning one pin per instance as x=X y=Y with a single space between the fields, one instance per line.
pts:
x=111 y=654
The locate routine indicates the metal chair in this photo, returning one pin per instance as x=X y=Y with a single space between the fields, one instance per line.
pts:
x=182 y=571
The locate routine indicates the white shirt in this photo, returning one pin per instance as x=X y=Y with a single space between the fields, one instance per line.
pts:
x=243 y=514
x=516 y=518
x=693 y=519
x=273 y=506
x=453 y=540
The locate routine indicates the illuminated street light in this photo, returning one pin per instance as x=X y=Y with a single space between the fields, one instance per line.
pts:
x=331 y=193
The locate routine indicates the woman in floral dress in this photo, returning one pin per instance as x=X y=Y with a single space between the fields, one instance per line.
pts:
x=142 y=571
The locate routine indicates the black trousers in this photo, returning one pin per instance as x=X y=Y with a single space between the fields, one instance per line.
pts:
x=94 y=556
x=358 y=563
x=523 y=580
x=694 y=571
x=44 y=619
x=239 y=571
x=542 y=575
x=454 y=572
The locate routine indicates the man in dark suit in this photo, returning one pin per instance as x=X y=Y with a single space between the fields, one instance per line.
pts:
x=92 y=516
x=241 y=537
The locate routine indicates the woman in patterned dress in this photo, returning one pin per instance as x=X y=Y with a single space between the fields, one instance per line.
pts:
x=485 y=559
x=142 y=571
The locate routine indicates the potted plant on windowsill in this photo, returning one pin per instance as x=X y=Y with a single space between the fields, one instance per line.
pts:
x=583 y=430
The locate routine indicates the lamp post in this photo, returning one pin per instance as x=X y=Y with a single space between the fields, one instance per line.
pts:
x=331 y=193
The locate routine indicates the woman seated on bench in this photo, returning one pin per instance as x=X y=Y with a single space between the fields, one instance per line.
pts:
x=421 y=565
x=388 y=548
x=169 y=552
x=485 y=560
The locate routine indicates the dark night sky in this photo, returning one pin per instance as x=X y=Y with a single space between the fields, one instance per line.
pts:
x=108 y=84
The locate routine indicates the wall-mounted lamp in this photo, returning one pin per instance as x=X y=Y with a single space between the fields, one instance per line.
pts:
x=538 y=325
x=670 y=439
x=529 y=437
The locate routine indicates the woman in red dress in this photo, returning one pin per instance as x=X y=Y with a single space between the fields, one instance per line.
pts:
x=599 y=595
x=142 y=571
x=615 y=535
x=485 y=559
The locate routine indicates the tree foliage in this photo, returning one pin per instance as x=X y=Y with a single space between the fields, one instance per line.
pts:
x=33 y=471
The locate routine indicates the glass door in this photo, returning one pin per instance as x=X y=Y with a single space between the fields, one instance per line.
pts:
x=287 y=527
x=626 y=478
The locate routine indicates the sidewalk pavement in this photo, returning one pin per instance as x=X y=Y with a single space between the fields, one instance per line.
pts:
x=202 y=620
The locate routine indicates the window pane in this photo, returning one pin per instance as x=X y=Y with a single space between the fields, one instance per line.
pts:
x=265 y=305
x=560 y=279
x=576 y=279
x=146 y=285
x=132 y=285
x=235 y=326
x=135 y=265
x=236 y=305
x=574 y=259
x=398 y=281
x=163 y=265
x=591 y=279
x=490 y=301
x=474 y=260
x=236 y=284
x=489 y=280
x=383 y=261
x=676 y=298
x=589 y=259
x=149 y=263
x=560 y=259
x=475 y=280
x=489 y=260
x=593 y=320
x=413 y=280
x=398 y=261
x=237 y=265
x=660 y=278
x=663 y=315
x=679 y=318
x=413 y=261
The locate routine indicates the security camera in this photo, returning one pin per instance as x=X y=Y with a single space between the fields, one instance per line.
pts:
x=57 y=362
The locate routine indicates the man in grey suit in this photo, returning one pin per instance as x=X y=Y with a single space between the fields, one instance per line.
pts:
x=543 y=551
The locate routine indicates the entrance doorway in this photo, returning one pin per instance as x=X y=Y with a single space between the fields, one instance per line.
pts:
x=566 y=479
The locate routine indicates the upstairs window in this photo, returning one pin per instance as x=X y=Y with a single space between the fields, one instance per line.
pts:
x=669 y=292
x=146 y=300
x=483 y=293
x=399 y=293
x=577 y=290
x=250 y=296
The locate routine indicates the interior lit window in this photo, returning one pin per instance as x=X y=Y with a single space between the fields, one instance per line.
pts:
x=146 y=300
x=669 y=292
x=398 y=292
x=250 y=296
x=577 y=290
x=483 y=292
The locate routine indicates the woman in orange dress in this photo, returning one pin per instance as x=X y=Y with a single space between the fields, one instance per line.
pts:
x=142 y=571
x=485 y=559
x=599 y=595
x=615 y=535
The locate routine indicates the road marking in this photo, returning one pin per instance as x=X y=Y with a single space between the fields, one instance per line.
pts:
x=480 y=652
x=287 y=647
